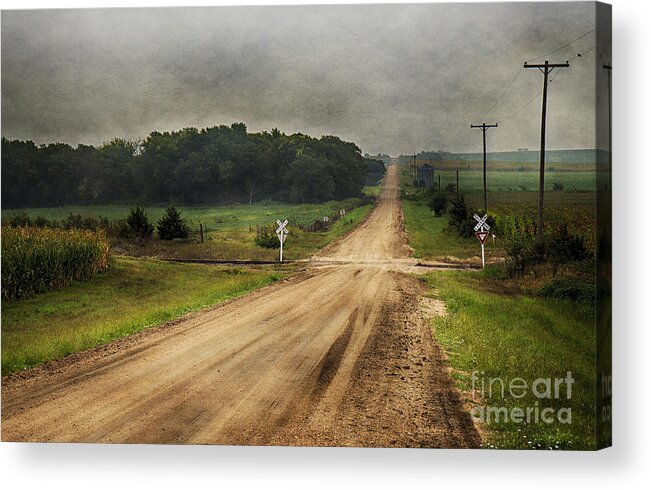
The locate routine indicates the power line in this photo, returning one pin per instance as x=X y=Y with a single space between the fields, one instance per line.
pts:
x=537 y=94
x=501 y=96
x=563 y=46
x=527 y=104
x=517 y=74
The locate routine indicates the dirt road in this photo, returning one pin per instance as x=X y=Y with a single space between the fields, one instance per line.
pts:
x=337 y=355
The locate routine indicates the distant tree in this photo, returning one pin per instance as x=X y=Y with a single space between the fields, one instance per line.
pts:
x=309 y=180
x=190 y=166
x=171 y=225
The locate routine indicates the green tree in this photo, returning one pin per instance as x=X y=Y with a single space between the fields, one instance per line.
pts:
x=138 y=225
x=172 y=225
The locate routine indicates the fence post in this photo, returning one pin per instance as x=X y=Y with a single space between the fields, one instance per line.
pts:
x=201 y=231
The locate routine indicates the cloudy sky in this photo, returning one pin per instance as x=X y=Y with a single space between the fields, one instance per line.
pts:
x=391 y=78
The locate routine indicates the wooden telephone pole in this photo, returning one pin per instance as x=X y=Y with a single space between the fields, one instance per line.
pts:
x=415 y=172
x=545 y=69
x=609 y=69
x=484 y=127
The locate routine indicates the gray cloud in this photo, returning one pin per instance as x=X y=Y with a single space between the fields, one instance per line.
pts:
x=391 y=78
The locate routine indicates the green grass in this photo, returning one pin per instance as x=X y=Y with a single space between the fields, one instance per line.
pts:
x=218 y=218
x=428 y=236
x=372 y=190
x=504 y=180
x=230 y=230
x=239 y=244
x=510 y=201
x=507 y=335
x=131 y=296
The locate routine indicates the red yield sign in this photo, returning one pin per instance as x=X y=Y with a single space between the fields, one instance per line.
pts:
x=481 y=236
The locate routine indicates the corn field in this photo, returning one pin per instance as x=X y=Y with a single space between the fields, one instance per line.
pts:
x=35 y=260
x=579 y=221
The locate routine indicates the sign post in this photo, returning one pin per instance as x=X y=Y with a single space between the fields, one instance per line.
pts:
x=281 y=232
x=481 y=232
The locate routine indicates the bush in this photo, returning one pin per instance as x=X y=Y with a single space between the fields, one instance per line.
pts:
x=171 y=225
x=564 y=247
x=569 y=289
x=41 y=222
x=462 y=220
x=517 y=248
x=35 y=260
x=458 y=215
x=558 y=186
x=451 y=188
x=267 y=239
x=20 y=220
x=138 y=225
x=438 y=202
x=77 y=222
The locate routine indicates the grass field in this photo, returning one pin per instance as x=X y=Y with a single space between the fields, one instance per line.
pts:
x=238 y=243
x=473 y=180
x=506 y=336
x=131 y=296
x=511 y=166
x=372 y=190
x=218 y=218
x=428 y=236
x=230 y=229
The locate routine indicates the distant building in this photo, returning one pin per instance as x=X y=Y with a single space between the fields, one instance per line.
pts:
x=425 y=176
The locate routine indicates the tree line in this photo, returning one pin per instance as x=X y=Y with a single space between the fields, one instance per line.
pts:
x=221 y=164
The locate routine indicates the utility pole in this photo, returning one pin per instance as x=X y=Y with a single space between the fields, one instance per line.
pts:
x=415 y=172
x=545 y=69
x=457 y=183
x=484 y=127
x=609 y=69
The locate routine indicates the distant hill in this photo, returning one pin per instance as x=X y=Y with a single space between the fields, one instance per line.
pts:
x=528 y=156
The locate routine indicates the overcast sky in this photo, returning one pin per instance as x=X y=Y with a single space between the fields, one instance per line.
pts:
x=391 y=78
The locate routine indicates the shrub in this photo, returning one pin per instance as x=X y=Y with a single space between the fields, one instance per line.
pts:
x=451 y=188
x=267 y=239
x=138 y=225
x=462 y=220
x=458 y=215
x=171 y=225
x=517 y=250
x=35 y=260
x=78 y=222
x=41 y=222
x=564 y=247
x=438 y=202
x=558 y=186
x=20 y=220
x=569 y=289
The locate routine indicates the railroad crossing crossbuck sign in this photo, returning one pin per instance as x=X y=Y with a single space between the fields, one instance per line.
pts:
x=481 y=223
x=481 y=232
x=282 y=233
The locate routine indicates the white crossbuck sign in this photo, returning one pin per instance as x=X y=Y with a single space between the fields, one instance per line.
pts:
x=282 y=233
x=481 y=223
x=281 y=227
x=481 y=232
